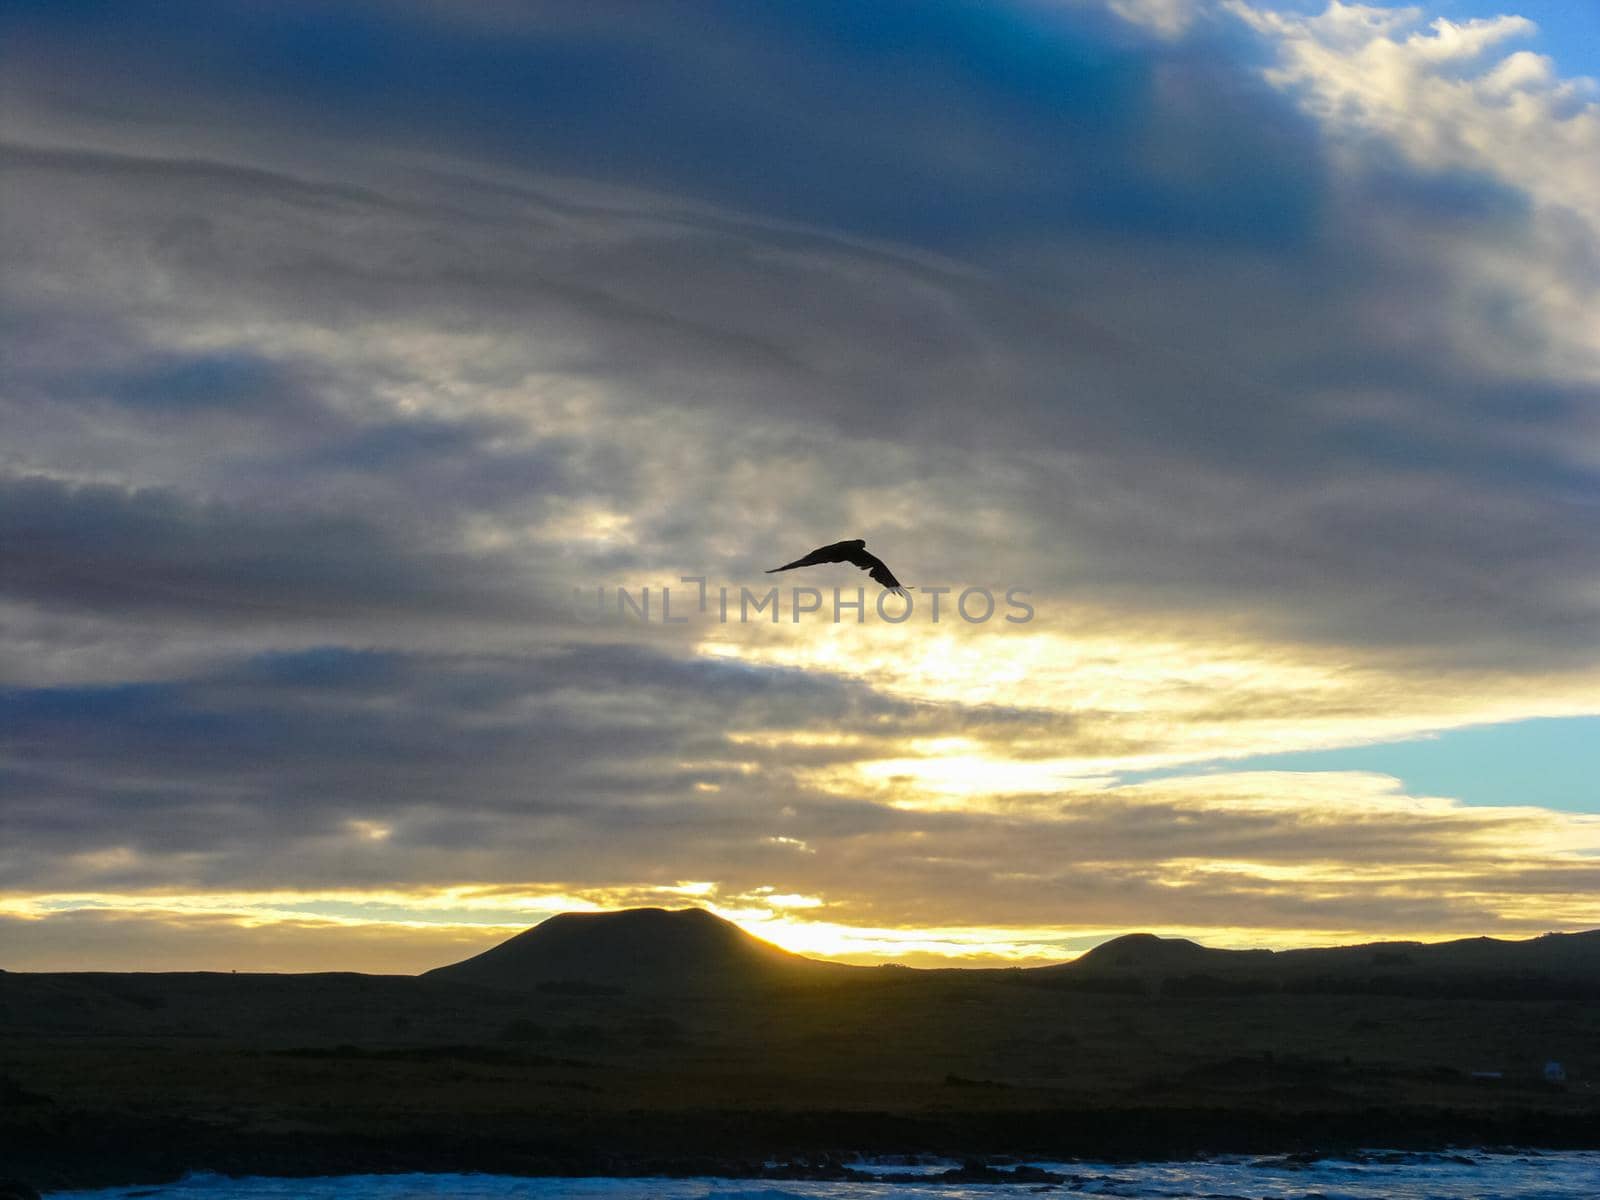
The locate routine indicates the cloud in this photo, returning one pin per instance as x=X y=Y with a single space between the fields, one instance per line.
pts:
x=382 y=788
x=97 y=547
x=1167 y=17
x=325 y=381
x=188 y=941
x=1360 y=468
x=1431 y=89
x=1440 y=95
x=288 y=759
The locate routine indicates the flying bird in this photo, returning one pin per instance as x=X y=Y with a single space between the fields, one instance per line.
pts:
x=851 y=552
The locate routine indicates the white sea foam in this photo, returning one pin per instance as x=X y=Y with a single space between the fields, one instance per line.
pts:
x=1467 y=1176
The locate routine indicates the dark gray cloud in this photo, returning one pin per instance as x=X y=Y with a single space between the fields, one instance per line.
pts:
x=242 y=775
x=1186 y=459
x=610 y=766
x=99 y=547
x=957 y=124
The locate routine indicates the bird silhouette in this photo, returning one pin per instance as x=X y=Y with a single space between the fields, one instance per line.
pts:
x=854 y=552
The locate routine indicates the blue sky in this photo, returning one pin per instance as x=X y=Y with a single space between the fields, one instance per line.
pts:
x=1568 y=32
x=1547 y=763
x=1253 y=340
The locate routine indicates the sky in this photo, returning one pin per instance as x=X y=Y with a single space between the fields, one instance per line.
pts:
x=364 y=365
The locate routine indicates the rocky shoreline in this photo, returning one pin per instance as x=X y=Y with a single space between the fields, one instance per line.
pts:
x=88 y=1150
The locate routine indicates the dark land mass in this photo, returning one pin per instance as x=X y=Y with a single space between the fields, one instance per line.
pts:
x=673 y=1043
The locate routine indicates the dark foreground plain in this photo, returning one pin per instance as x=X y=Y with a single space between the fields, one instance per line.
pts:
x=650 y=1042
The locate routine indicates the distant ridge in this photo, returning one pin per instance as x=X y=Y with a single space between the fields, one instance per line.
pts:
x=688 y=950
x=1552 y=966
x=1559 y=953
x=636 y=948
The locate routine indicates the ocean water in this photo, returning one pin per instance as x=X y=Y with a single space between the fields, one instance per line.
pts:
x=1482 y=1176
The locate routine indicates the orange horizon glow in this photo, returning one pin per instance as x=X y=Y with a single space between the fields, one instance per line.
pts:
x=281 y=932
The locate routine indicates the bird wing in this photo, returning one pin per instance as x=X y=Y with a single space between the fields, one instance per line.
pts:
x=876 y=568
x=837 y=552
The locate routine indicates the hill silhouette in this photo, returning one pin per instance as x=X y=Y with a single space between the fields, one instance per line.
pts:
x=1146 y=952
x=692 y=950
x=1557 y=953
x=1553 y=966
x=637 y=949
